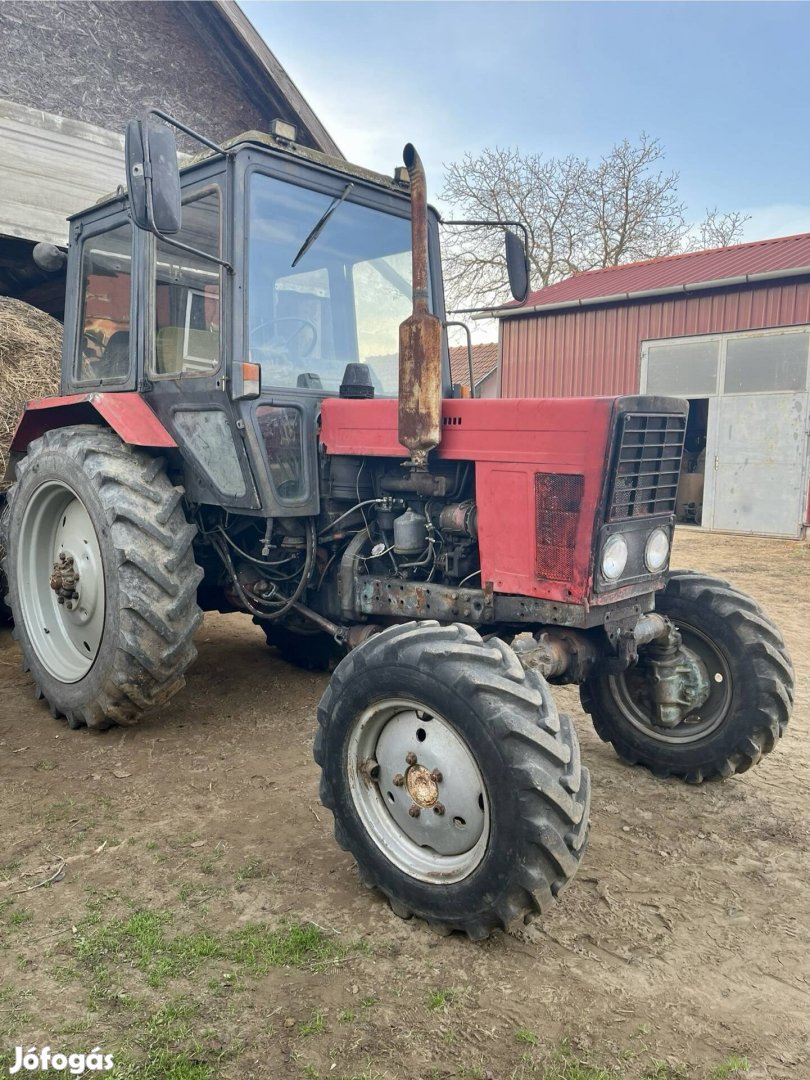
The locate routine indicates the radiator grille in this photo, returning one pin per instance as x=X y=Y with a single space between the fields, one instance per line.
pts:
x=648 y=465
x=558 y=499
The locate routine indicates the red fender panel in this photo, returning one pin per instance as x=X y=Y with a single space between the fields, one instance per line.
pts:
x=125 y=412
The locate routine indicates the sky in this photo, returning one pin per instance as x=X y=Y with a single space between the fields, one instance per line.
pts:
x=724 y=86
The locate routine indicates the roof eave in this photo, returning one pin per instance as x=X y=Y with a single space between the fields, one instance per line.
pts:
x=645 y=294
x=244 y=29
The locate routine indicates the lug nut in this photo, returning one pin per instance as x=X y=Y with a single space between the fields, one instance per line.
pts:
x=438 y=808
x=398 y=780
x=410 y=757
x=436 y=776
x=414 y=811
x=60 y=599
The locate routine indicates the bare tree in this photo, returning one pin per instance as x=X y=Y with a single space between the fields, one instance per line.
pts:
x=719 y=230
x=579 y=215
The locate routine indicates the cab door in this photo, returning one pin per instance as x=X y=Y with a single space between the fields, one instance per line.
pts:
x=185 y=368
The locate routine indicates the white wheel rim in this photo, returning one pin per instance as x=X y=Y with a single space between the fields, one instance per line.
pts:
x=385 y=783
x=66 y=637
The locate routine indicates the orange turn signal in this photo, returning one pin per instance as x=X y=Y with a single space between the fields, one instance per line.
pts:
x=251 y=380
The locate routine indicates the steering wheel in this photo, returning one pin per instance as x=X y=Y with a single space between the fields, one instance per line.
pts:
x=279 y=341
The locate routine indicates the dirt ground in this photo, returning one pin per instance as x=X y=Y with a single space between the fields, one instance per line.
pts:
x=682 y=949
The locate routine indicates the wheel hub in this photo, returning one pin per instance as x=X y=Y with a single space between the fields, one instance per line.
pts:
x=679 y=682
x=64 y=581
x=421 y=786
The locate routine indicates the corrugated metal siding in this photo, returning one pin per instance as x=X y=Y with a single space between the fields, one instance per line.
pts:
x=597 y=350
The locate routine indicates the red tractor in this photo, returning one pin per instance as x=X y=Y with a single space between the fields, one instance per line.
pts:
x=257 y=415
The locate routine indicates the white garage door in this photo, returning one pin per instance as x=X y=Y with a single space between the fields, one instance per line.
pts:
x=758 y=465
x=757 y=439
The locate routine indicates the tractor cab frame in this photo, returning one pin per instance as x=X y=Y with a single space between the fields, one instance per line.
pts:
x=216 y=326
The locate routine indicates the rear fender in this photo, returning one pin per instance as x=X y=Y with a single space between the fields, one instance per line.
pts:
x=125 y=412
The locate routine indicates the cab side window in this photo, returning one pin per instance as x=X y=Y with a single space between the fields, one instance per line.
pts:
x=187 y=293
x=106 y=281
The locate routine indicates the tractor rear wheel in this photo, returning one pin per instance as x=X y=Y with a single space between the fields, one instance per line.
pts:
x=452 y=780
x=102 y=578
x=743 y=672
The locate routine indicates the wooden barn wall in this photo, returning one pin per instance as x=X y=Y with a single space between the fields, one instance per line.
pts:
x=597 y=350
x=103 y=63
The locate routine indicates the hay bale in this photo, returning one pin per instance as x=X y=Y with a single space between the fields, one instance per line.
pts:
x=30 y=356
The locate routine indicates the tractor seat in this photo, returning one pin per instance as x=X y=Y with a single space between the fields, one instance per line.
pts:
x=114 y=362
x=201 y=355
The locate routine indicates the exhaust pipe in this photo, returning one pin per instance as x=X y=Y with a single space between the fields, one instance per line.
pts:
x=420 y=337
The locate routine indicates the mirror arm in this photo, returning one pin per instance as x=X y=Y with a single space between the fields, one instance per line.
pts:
x=193 y=251
x=493 y=225
x=182 y=127
x=148 y=178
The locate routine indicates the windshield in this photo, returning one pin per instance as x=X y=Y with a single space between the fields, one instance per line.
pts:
x=343 y=300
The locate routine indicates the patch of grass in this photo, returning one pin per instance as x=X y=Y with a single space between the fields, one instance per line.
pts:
x=258 y=947
x=523 y=1035
x=662 y=1070
x=45 y=766
x=368 y=1001
x=442 y=999
x=732 y=1067
x=142 y=941
x=563 y=1065
x=577 y=1070
x=251 y=871
x=346 y=1016
x=314 y=1026
x=164 y=1064
x=20 y=917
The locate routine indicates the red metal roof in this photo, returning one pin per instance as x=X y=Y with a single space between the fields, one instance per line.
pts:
x=484 y=360
x=673 y=273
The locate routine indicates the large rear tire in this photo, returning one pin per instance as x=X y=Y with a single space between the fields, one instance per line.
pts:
x=452 y=779
x=116 y=643
x=749 y=673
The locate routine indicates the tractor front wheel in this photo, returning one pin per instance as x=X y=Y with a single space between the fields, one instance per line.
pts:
x=737 y=687
x=452 y=780
x=101 y=574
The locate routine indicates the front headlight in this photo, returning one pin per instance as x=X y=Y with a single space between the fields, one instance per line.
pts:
x=656 y=550
x=614 y=557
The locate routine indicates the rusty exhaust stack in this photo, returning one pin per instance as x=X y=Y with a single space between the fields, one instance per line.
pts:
x=420 y=337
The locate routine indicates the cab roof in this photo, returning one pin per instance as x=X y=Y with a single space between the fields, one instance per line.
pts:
x=283 y=147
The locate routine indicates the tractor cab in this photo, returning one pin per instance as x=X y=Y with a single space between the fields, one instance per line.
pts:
x=287 y=267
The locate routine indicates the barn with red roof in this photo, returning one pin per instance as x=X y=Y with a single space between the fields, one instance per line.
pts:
x=728 y=329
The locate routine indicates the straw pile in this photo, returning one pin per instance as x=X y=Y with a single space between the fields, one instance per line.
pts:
x=30 y=351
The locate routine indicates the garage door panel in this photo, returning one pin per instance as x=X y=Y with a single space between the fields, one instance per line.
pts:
x=761 y=428
x=759 y=457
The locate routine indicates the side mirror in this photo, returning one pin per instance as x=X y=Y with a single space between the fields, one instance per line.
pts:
x=517 y=266
x=153 y=177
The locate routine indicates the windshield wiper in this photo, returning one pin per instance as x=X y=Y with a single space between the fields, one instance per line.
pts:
x=318 y=228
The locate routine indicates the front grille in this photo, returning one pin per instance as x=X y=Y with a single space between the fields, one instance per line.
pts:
x=648 y=465
x=558 y=499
